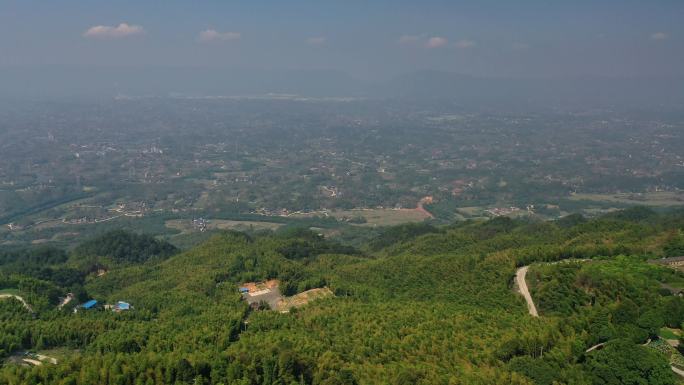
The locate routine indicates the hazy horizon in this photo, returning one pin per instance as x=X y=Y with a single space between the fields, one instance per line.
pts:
x=342 y=192
x=359 y=42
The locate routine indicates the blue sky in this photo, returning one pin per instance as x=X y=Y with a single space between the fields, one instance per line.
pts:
x=368 y=39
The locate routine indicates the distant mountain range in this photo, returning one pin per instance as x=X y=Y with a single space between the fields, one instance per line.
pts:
x=107 y=82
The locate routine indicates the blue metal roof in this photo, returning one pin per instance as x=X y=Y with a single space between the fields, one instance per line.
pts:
x=123 y=305
x=244 y=290
x=89 y=304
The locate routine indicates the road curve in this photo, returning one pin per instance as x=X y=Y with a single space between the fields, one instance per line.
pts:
x=678 y=371
x=522 y=287
x=421 y=206
x=26 y=305
x=597 y=346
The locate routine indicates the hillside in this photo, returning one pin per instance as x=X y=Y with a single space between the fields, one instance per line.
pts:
x=413 y=305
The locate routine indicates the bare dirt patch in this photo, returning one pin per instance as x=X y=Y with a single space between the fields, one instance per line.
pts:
x=303 y=298
x=269 y=292
x=421 y=206
x=260 y=292
x=259 y=286
x=30 y=359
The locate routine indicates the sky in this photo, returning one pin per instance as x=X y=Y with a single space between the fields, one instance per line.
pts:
x=365 y=38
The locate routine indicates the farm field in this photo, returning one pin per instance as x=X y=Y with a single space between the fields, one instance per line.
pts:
x=185 y=225
x=376 y=217
x=471 y=211
x=665 y=198
x=477 y=212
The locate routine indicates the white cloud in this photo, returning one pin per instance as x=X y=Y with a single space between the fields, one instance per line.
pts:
x=465 y=44
x=316 y=40
x=105 y=31
x=214 y=35
x=436 y=42
x=659 y=36
x=408 y=39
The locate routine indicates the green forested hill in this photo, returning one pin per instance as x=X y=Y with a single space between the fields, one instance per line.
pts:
x=416 y=305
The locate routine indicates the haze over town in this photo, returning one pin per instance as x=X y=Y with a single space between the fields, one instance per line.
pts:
x=342 y=192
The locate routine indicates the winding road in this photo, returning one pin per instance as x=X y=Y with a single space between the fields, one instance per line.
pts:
x=421 y=206
x=678 y=371
x=520 y=275
x=522 y=284
x=26 y=305
x=522 y=287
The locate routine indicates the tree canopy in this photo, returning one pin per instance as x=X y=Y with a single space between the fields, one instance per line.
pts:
x=417 y=305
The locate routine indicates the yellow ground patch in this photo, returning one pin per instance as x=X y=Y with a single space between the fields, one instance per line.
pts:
x=303 y=298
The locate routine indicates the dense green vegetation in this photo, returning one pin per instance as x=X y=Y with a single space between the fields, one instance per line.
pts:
x=123 y=246
x=413 y=305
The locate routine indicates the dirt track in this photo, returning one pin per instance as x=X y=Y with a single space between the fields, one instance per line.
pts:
x=678 y=371
x=26 y=305
x=421 y=208
x=522 y=287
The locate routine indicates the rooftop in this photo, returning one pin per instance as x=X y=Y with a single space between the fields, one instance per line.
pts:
x=89 y=304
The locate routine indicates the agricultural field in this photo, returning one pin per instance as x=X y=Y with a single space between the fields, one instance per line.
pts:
x=343 y=159
x=663 y=199
x=375 y=217
x=186 y=225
